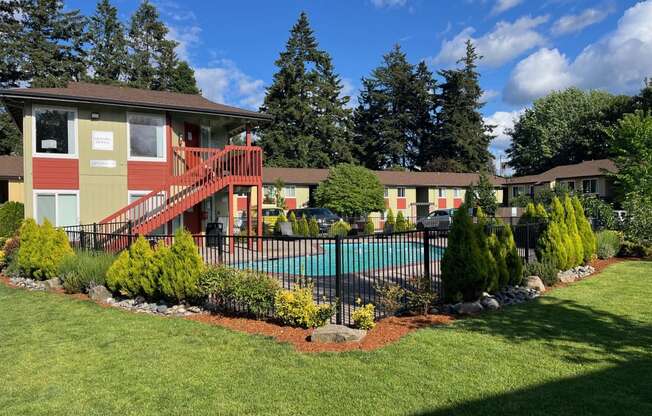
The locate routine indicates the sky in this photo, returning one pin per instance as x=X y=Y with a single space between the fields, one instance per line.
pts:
x=530 y=47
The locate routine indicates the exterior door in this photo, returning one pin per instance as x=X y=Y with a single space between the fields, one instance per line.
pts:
x=191 y=138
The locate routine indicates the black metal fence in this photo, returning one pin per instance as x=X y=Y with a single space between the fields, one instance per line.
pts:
x=341 y=269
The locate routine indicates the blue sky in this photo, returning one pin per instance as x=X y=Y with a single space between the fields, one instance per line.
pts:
x=531 y=47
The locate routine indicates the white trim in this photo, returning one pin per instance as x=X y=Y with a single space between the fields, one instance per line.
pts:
x=56 y=193
x=165 y=142
x=285 y=191
x=74 y=155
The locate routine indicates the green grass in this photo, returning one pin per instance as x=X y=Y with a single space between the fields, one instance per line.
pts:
x=582 y=350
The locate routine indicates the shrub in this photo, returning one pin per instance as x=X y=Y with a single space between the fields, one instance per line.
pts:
x=530 y=214
x=464 y=268
x=11 y=217
x=42 y=249
x=302 y=227
x=550 y=247
x=10 y=249
x=600 y=212
x=277 y=225
x=84 y=270
x=390 y=223
x=420 y=297
x=313 y=227
x=638 y=223
x=296 y=307
x=571 y=224
x=363 y=317
x=254 y=292
x=369 y=228
x=340 y=228
x=608 y=242
x=134 y=272
x=401 y=225
x=179 y=267
x=632 y=249
x=390 y=297
x=558 y=216
x=584 y=228
x=293 y=221
x=546 y=271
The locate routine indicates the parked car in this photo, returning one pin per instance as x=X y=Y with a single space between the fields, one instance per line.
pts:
x=440 y=218
x=270 y=215
x=324 y=216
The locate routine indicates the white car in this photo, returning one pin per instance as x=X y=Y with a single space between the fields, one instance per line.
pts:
x=440 y=218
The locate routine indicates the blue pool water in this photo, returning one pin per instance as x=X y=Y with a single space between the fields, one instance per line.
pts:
x=356 y=257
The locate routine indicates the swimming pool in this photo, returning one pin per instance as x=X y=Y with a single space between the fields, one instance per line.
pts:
x=356 y=257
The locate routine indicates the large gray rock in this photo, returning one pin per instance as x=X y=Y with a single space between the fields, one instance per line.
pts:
x=469 y=308
x=336 y=333
x=52 y=284
x=534 y=282
x=99 y=294
x=490 y=302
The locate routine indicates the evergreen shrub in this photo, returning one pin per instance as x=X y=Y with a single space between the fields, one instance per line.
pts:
x=296 y=307
x=11 y=217
x=42 y=249
x=84 y=270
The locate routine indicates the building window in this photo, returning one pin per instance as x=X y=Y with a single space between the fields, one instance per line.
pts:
x=570 y=185
x=590 y=186
x=58 y=207
x=531 y=190
x=146 y=137
x=515 y=191
x=457 y=192
x=386 y=192
x=289 y=192
x=442 y=192
x=400 y=192
x=55 y=131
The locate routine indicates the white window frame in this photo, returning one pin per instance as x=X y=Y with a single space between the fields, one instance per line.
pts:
x=568 y=185
x=74 y=155
x=286 y=194
x=597 y=189
x=516 y=191
x=56 y=193
x=457 y=193
x=164 y=158
x=441 y=193
x=398 y=192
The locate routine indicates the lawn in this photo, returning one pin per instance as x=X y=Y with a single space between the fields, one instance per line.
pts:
x=581 y=350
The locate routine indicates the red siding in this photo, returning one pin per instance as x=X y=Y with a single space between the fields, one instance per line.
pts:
x=441 y=203
x=401 y=203
x=51 y=173
x=457 y=202
x=146 y=175
x=291 y=203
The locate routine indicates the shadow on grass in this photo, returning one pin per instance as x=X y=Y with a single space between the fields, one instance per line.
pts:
x=624 y=389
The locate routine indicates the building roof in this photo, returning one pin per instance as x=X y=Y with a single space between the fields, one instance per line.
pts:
x=134 y=97
x=11 y=167
x=583 y=169
x=301 y=176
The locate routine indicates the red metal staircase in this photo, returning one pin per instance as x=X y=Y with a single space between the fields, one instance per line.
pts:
x=197 y=173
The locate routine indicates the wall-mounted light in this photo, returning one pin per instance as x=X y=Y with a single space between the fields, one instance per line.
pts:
x=95 y=116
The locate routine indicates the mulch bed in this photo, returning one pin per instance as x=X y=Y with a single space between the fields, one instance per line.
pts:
x=386 y=331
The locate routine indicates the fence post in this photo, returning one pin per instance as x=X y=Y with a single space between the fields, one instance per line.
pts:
x=426 y=255
x=129 y=236
x=82 y=238
x=527 y=242
x=338 y=279
x=95 y=236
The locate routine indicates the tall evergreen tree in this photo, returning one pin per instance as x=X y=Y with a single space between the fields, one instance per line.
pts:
x=10 y=72
x=311 y=125
x=394 y=112
x=146 y=35
x=108 y=47
x=183 y=79
x=463 y=139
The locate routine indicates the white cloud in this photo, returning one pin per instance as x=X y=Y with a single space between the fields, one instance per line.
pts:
x=350 y=89
x=505 y=42
x=538 y=74
x=388 y=3
x=504 y=5
x=503 y=121
x=225 y=83
x=188 y=38
x=488 y=95
x=617 y=63
x=576 y=22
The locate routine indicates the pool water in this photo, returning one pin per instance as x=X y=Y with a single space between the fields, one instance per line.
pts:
x=356 y=257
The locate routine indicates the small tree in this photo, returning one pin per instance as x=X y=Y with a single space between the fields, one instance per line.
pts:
x=134 y=272
x=293 y=222
x=369 y=227
x=351 y=191
x=279 y=185
x=302 y=227
x=180 y=267
x=571 y=224
x=558 y=216
x=550 y=247
x=484 y=195
x=313 y=227
x=390 y=223
x=584 y=228
x=401 y=224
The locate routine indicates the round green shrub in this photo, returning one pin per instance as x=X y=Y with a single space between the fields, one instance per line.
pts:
x=340 y=228
x=42 y=249
x=608 y=243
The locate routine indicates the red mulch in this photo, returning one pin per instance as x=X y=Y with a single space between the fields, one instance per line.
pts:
x=385 y=332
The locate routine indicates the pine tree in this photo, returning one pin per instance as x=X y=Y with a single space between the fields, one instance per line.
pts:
x=462 y=138
x=393 y=121
x=146 y=34
x=311 y=125
x=183 y=79
x=11 y=44
x=108 y=46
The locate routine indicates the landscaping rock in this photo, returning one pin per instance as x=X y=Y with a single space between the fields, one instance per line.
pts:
x=469 y=308
x=490 y=303
x=161 y=309
x=336 y=333
x=99 y=293
x=194 y=309
x=534 y=282
x=52 y=284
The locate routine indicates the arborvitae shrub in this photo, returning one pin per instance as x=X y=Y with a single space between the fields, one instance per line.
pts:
x=313 y=227
x=42 y=249
x=463 y=267
x=11 y=218
x=571 y=224
x=401 y=224
x=369 y=228
x=293 y=221
x=586 y=233
x=542 y=214
x=302 y=227
x=180 y=268
x=277 y=225
x=135 y=271
x=489 y=271
x=501 y=278
x=530 y=214
x=550 y=248
x=340 y=228
x=390 y=223
x=512 y=259
x=558 y=216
